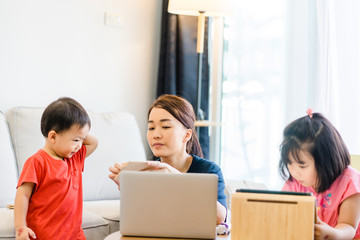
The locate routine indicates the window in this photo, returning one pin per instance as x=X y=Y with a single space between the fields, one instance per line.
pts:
x=279 y=58
x=252 y=91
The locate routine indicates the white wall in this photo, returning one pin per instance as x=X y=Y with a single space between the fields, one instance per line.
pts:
x=51 y=48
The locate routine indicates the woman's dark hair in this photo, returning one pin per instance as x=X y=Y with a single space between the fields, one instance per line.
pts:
x=319 y=137
x=61 y=114
x=183 y=111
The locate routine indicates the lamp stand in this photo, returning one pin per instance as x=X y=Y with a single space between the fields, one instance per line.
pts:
x=199 y=112
x=200 y=50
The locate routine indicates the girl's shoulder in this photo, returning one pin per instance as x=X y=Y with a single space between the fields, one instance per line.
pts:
x=348 y=176
x=351 y=173
x=348 y=183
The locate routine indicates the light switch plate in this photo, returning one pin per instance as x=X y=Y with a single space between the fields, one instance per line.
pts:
x=112 y=19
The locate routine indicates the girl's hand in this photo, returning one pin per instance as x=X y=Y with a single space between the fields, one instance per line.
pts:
x=24 y=233
x=115 y=171
x=322 y=230
x=156 y=166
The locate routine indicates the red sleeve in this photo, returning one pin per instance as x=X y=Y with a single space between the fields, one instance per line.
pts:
x=30 y=172
x=79 y=158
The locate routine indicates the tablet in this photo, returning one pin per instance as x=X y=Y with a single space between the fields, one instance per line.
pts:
x=274 y=192
x=135 y=166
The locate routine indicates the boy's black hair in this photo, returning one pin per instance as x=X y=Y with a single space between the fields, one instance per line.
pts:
x=61 y=114
x=319 y=137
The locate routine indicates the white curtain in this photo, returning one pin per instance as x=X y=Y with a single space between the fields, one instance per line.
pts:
x=337 y=71
x=280 y=58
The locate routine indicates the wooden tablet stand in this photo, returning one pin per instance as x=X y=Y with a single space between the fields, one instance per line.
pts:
x=272 y=216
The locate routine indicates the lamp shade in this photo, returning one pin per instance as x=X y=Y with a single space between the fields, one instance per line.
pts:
x=193 y=7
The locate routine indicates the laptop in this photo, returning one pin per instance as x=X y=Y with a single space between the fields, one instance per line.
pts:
x=168 y=205
x=277 y=215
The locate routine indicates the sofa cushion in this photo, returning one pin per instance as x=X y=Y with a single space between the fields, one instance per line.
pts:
x=91 y=220
x=24 y=125
x=119 y=141
x=108 y=209
x=94 y=226
x=7 y=223
x=8 y=173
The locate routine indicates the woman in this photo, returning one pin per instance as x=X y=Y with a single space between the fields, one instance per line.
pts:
x=172 y=138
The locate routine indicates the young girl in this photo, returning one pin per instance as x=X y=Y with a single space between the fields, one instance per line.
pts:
x=48 y=202
x=314 y=159
x=172 y=138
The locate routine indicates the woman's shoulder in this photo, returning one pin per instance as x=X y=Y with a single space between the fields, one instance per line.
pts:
x=199 y=160
x=203 y=165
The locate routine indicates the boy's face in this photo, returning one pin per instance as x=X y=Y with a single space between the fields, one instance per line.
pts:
x=68 y=142
x=305 y=172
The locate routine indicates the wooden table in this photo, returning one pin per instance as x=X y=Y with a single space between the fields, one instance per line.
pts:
x=117 y=236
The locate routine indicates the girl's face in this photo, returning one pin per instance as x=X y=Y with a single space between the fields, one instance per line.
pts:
x=166 y=135
x=305 y=172
x=70 y=141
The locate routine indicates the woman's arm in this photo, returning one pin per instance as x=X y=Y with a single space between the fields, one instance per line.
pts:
x=22 y=198
x=348 y=222
x=91 y=144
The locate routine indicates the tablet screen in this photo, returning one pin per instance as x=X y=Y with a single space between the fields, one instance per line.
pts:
x=274 y=192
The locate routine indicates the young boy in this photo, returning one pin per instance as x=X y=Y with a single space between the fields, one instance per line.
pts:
x=48 y=202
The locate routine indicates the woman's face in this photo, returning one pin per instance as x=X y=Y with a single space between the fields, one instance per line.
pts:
x=305 y=172
x=166 y=135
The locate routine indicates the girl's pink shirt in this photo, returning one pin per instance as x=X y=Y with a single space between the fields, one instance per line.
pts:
x=328 y=202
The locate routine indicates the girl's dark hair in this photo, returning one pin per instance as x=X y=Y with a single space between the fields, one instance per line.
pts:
x=183 y=111
x=319 y=137
x=61 y=114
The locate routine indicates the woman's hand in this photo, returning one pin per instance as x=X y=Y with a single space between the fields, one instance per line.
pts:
x=115 y=171
x=153 y=166
x=24 y=233
x=157 y=166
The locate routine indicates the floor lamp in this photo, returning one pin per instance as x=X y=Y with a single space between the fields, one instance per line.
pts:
x=202 y=9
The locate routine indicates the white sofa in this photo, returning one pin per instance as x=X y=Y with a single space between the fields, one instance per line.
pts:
x=119 y=141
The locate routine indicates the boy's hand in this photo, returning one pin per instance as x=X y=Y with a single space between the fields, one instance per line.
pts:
x=24 y=233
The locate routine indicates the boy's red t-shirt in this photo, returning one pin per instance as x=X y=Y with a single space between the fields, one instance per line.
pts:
x=55 y=207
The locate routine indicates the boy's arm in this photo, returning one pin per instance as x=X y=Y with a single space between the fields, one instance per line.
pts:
x=91 y=144
x=22 y=198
